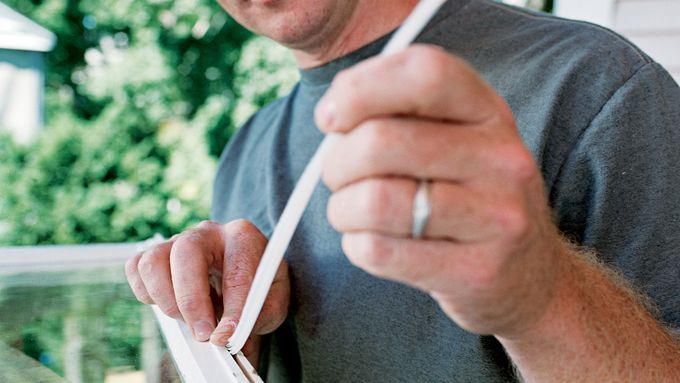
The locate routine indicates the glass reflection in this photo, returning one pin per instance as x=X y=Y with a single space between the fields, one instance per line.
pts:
x=78 y=326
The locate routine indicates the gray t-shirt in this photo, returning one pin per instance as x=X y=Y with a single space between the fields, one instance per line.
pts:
x=603 y=123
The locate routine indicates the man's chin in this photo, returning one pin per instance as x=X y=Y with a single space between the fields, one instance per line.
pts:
x=266 y=3
x=295 y=30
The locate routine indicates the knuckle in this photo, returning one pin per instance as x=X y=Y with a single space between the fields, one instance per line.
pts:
x=331 y=174
x=345 y=80
x=187 y=241
x=170 y=310
x=376 y=201
x=334 y=211
x=143 y=297
x=239 y=280
x=520 y=163
x=208 y=225
x=513 y=220
x=164 y=299
x=160 y=294
x=487 y=275
x=190 y=236
x=188 y=303
x=433 y=64
x=373 y=136
x=275 y=310
x=139 y=290
x=377 y=253
x=244 y=236
x=242 y=226
x=344 y=88
x=239 y=277
x=368 y=251
x=150 y=260
x=131 y=265
x=341 y=77
x=280 y=308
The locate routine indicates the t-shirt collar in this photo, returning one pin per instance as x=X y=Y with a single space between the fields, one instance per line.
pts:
x=324 y=74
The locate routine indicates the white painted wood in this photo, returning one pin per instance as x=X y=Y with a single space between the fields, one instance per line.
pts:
x=19 y=32
x=21 y=93
x=665 y=49
x=203 y=362
x=595 y=11
x=19 y=259
x=653 y=25
x=22 y=47
x=648 y=16
x=64 y=257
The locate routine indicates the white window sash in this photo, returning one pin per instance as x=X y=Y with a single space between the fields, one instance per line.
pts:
x=203 y=362
x=196 y=362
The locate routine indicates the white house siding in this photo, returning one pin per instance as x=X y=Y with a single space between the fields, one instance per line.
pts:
x=23 y=44
x=21 y=93
x=653 y=25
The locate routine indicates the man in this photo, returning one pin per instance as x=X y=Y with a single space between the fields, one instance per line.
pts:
x=523 y=132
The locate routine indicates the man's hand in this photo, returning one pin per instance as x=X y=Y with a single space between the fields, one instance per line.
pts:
x=177 y=276
x=490 y=254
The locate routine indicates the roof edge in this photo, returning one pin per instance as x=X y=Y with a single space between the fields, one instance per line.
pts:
x=34 y=37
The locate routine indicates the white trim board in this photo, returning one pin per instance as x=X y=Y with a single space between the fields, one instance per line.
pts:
x=595 y=11
x=54 y=258
x=69 y=257
x=19 y=32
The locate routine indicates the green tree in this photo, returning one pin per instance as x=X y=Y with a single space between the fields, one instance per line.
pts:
x=142 y=95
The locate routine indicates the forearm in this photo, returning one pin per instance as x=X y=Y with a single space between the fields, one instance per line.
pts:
x=594 y=331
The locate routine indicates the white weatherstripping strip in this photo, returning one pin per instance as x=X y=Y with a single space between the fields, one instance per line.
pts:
x=199 y=362
x=299 y=199
x=276 y=248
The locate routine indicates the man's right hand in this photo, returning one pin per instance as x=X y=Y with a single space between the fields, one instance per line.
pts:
x=177 y=276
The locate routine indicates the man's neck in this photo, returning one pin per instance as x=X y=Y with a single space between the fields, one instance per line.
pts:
x=368 y=22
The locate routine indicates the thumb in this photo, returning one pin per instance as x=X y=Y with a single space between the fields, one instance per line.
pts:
x=243 y=248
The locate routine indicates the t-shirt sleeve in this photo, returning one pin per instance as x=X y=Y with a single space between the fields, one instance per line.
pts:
x=618 y=191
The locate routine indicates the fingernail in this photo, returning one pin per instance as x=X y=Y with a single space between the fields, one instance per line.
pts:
x=326 y=114
x=222 y=333
x=202 y=330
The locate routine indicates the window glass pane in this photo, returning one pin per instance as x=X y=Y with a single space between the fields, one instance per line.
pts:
x=78 y=326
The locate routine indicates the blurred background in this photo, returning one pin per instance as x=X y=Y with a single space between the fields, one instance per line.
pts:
x=140 y=98
x=112 y=117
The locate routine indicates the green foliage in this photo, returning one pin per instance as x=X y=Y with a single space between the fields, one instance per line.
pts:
x=141 y=98
x=265 y=72
x=33 y=319
x=122 y=335
x=87 y=181
x=200 y=43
